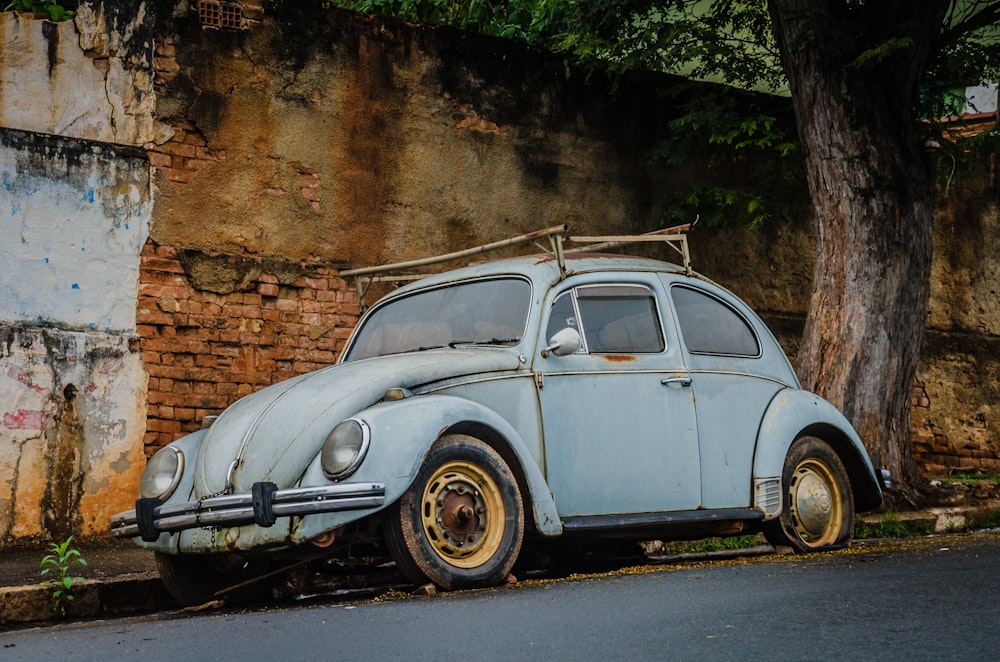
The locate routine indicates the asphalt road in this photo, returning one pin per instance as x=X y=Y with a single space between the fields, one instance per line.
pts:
x=928 y=599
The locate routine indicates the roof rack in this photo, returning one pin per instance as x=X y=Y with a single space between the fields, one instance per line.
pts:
x=557 y=237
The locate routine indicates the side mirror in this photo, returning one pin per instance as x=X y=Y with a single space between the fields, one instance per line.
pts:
x=565 y=342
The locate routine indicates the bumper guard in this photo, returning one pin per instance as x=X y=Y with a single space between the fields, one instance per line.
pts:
x=261 y=506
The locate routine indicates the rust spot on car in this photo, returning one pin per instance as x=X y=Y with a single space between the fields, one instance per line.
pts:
x=619 y=358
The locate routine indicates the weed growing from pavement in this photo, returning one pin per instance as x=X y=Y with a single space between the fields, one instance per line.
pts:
x=58 y=564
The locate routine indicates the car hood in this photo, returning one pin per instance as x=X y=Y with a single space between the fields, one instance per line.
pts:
x=274 y=434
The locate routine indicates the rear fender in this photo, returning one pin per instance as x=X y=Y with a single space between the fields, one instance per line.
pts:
x=401 y=434
x=794 y=413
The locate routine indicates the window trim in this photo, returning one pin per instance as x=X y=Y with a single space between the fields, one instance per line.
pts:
x=725 y=304
x=573 y=293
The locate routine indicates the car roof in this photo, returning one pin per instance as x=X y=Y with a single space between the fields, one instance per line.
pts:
x=544 y=268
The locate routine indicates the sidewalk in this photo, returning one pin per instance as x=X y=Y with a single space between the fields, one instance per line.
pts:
x=120 y=579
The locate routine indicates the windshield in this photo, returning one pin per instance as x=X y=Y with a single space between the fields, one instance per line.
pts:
x=482 y=312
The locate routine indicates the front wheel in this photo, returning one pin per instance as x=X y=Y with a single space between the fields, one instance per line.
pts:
x=195 y=580
x=461 y=522
x=818 y=506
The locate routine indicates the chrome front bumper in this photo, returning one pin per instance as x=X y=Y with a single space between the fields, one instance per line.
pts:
x=261 y=506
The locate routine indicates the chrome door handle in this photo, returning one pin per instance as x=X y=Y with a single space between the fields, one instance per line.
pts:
x=677 y=381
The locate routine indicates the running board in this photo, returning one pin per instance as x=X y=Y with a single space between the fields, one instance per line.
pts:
x=588 y=523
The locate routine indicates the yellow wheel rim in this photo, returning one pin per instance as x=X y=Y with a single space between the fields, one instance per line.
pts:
x=816 y=502
x=462 y=513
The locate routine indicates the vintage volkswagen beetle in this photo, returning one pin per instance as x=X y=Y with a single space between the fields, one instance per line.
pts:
x=562 y=395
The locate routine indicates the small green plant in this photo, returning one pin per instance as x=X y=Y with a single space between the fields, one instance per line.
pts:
x=713 y=545
x=57 y=564
x=53 y=8
x=971 y=478
x=890 y=526
x=989 y=521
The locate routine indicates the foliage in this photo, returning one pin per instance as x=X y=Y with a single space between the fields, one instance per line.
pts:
x=58 y=564
x=54 y=8
x=516 y=20
x=713 y=545
x=972 y=478
x=737 y=139
x=891 y=526
x=728 y=41
x=989 y=521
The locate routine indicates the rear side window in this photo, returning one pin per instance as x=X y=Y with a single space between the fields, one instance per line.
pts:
x=612 y=318
x=711 y=326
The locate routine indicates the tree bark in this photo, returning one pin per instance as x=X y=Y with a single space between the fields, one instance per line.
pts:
x=872 y=195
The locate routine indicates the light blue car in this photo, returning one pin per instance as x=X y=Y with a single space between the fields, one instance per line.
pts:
x=570 y=395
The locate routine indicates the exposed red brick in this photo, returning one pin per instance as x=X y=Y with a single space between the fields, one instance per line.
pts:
x=213 y=349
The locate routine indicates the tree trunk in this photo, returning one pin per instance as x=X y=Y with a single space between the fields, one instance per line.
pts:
x=872 y=197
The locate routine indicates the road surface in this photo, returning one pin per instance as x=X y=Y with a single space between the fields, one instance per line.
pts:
x=934 y=598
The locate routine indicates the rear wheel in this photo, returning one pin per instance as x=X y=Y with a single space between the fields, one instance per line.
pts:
x=818 y=506
x=461 y=522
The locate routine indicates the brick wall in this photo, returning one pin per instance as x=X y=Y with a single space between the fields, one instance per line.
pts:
x=941 y=452
x=204 y=350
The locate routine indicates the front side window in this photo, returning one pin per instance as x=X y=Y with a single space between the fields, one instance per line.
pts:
x=712 y=327
x=613 y=319
x=483 y=312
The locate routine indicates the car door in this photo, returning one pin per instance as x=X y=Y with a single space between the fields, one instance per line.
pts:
x=736 y=370
x=618 y=416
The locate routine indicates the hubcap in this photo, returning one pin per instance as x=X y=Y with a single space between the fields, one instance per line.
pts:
x=462 y=514
x=816 y=503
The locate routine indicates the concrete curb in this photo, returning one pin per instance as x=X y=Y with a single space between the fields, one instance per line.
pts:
x=121 y=595
x=942 y=519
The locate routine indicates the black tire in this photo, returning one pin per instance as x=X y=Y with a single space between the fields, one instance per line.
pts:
x=195 y=580
x=818 y=505
x=461 y=522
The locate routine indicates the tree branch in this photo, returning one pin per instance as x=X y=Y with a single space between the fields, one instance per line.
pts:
x=989 y=15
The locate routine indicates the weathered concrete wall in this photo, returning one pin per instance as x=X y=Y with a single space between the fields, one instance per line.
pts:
x=72 y=384
x=73 y=413
x=74 y=214
x=88 y=78
x=323 y=136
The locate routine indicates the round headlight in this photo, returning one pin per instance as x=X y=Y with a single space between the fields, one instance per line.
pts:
x=344 y=448
x=162 y=473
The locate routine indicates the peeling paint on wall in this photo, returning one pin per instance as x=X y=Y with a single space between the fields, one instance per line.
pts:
x=72 y=416
x=75 y=216
x=88 y=78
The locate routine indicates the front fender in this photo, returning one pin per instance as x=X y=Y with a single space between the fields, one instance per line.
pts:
x=189 y=446
x=794 y=413
x=401 y=434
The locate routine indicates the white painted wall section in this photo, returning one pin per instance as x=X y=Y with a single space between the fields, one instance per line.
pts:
x=73 y=220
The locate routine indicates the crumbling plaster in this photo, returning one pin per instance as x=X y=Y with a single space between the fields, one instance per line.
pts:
x=347 y=140
x=75 y=217
x=75 y=204
x=72 y=384
x=88 y=78
x=71 y=423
